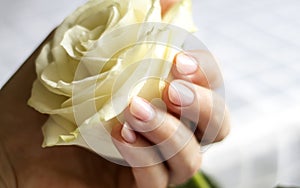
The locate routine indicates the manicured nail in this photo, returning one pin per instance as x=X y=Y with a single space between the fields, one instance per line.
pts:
x=128 y=134
x=141 y=109
x=185 y=64
x=180 y=95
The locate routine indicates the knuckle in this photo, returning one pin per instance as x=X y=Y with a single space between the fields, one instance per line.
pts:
x=193 y=166
x=223 y=133
x=225 y=129
x=190 y=169
x=165 y=128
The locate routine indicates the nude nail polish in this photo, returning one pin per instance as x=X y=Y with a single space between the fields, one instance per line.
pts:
x=141 y=109
x=128 y=134
x=180 y=94
x=185 y=64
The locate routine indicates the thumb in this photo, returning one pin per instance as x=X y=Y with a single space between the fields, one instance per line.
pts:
x=166 y=5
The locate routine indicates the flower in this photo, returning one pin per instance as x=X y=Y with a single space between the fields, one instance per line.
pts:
x=97 y=60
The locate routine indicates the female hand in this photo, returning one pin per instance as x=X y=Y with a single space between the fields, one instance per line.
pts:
x=158 y=144
x=24 y=164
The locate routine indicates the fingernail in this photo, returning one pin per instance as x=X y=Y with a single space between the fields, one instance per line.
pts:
x=180 y=95
x=141 y=109
x=185 y=64
x=128 y=134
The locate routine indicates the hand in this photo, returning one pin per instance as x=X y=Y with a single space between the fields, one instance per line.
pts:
x=23 y=163
x=26 y=164
x=166 y=5
x=147 y=125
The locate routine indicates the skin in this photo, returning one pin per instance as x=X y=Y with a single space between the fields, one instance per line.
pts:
x=24 y=164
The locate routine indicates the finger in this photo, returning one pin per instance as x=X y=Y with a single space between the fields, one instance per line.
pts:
x=166 y=5
x=175 y=141
x=201 y=106
x=148 y=173
x=198 y=67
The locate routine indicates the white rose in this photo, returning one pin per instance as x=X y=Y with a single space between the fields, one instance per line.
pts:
x=86 y=77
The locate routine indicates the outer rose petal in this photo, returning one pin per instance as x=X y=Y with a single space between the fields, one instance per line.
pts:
x=84 y=85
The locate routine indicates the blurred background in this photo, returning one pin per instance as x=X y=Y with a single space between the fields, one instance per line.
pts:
x=257 y=44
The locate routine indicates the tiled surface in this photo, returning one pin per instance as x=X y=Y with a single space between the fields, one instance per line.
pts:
x=258 y=45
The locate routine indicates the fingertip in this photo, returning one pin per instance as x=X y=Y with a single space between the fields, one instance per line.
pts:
x=187 y=67
x=185 y=64
x=128 y=134
x=123 y=134
x=166 y=5
x=179 y=94
x=141 y=109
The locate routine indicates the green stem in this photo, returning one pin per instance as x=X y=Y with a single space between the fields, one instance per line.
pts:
x=199 y=180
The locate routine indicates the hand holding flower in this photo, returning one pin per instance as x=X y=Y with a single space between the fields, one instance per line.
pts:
x=25 y=164
x=147 y=125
